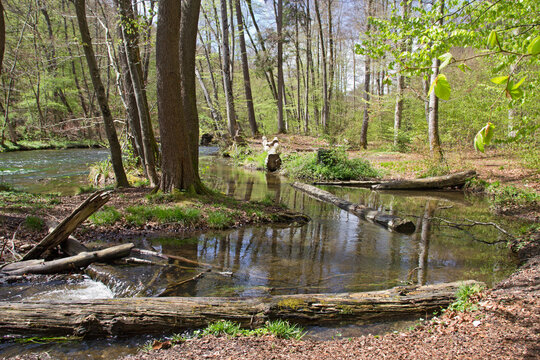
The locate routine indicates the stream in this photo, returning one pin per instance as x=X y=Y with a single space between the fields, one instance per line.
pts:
x=335 y=252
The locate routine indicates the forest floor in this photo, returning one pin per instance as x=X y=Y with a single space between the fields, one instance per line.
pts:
x=130 y=212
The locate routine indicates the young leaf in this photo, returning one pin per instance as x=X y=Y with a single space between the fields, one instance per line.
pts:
x=479 y=141
x=463 y=67
x=488 y=133
x=492 y=39
x=445 y=58
x=534 y=46
x=431 y=87
x=516 y=86
x=442 y=87
x=515 y=93
x=499 y=79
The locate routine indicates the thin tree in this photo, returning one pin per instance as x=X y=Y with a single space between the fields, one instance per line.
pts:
x=245 y=70
x=433 y=120
x=178 y=170
x=400 y=86
x=110 y=131
x=367 y=81
x=326 y=109
x=280 y=84
x=227 y=83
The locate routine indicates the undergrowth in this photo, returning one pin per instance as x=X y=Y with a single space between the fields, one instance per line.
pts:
x=328 y=165
x=463 y=301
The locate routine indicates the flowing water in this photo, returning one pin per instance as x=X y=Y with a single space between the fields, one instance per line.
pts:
x=335 y=252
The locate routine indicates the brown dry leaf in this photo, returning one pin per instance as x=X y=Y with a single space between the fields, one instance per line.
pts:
x=158 y=345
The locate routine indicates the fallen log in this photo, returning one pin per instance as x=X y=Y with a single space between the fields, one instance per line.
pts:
x=130 y=316
x=69 y=224
x=70 y=263
x=351 y=183
x=390 y=222
x=437 y=182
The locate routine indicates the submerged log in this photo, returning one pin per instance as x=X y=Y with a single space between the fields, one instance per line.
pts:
x=437 y=182
x=69 y=224
x=390 y=222
x=67 y=264
x=158 y=315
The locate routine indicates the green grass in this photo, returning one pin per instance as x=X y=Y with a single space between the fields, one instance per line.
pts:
x=33 y=223
x=139 y=215
x=279 y=328
x=108 y=215
x=219 y=219
x=463 y=296
x=49 y=144
x=335 y=165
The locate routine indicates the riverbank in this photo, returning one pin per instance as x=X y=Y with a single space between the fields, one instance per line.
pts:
x=503 y=323
x=132 y=212
x=26 y=145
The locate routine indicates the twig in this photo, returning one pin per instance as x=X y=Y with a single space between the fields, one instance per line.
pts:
x=474 y=223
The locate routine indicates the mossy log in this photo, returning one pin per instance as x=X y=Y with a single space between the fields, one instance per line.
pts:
x=391 y=222
x=70 y=223
x=131 y=316
x=436 y=182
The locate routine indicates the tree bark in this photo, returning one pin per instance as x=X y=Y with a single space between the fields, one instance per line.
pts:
x=178 y=171
x=390 y=222
x=2 y=35
x=227 y=83
x=367 y=80
x=114 y=144
x=325 y=110
x=132 y=316
x=130 y=36
x=437 y=182
x=245 y=70
x=188 y=50
x=280 y=84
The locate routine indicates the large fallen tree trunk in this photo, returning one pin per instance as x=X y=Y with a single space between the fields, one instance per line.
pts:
x=69 y=224
x=437 y=182
x=390 y=222
x=158 y=315
x=351 y=183
x=67 y=264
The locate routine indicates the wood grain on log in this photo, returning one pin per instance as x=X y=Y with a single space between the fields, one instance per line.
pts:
x=70 y=223
x=437 y=182
x=131 y=316
x=390 y=222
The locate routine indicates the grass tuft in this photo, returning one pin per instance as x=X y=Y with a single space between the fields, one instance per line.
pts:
x=33 y=223
x=108 y=215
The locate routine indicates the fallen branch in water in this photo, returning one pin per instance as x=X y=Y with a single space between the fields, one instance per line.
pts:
x=475 y=223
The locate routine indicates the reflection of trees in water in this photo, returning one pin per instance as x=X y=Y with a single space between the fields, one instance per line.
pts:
x=273 y=185
x=425 y=236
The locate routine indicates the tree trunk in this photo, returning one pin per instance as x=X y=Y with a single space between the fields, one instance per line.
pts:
x=215 y=113
x=178 y=171
x=2 y=35
x=391 y=222
x=245 y=70
x=188 y=50
x=325 y=110
x=280 y=84
x=227 y=83
x=367 y=81
x=114 y=144
x=134 y=316
x=433 y=121
x=130 y=35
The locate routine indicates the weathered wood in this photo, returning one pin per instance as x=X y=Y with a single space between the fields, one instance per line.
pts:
x=437 y=182
x=351 y=183
x=69 y=224
x=69 y=263
x=390 y=222
x=131 y=316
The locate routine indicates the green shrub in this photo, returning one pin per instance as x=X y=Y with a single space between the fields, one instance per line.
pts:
x=279 y=328
x=329 y=165
x=108 y=215
x=283 y=329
